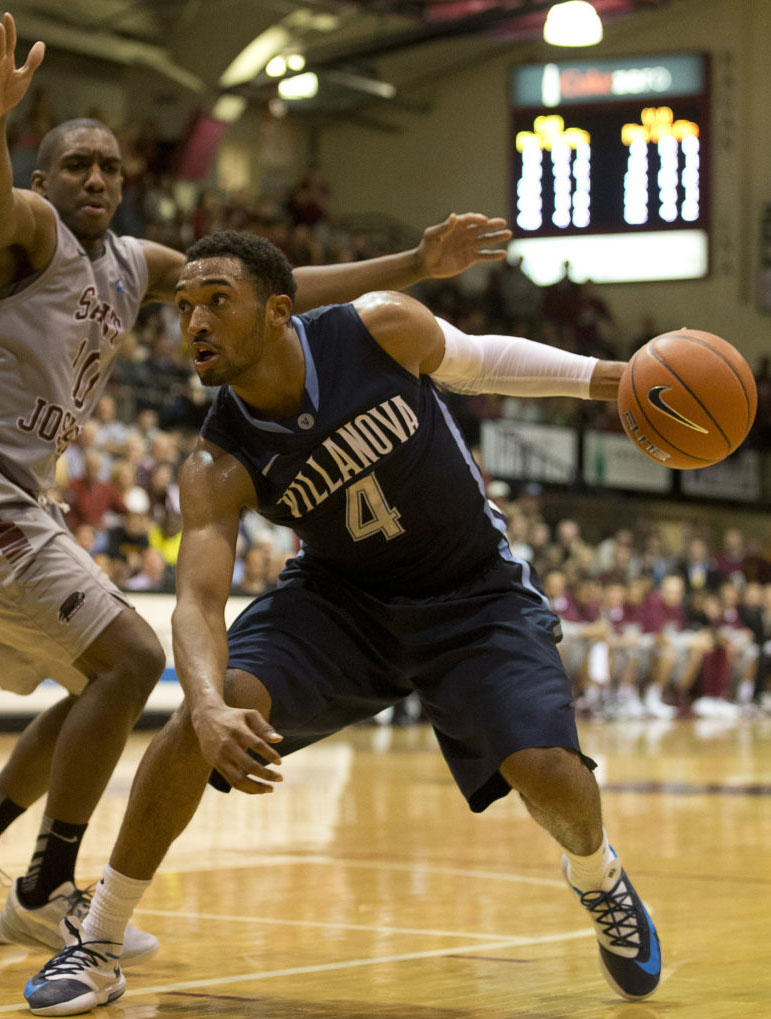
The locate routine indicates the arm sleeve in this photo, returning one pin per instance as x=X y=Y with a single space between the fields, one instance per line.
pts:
x=510 y=366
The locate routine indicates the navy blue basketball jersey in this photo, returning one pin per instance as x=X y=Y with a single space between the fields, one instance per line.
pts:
x=372 y=474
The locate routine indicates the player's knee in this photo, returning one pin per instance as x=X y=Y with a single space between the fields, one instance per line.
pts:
x=536 y=769
x=147 y=662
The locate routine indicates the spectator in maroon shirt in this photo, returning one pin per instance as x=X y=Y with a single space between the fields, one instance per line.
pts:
x=733 y=555
x=91 y=499
x=676 y=652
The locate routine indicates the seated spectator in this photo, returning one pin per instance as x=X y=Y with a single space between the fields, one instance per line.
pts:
x=675 y=652
x=112 y=433
x=163 y=492
x=154 y=574
x=129 y=539
x=698 y=568
x=655 y=562
x=91 y=500
x=730 y=562
x=596 y=330
x=621 y=568
x=625 y=653
x=124 y=477
x=513 y=298
x=256 y=573
x=583 y=647
x=757 y=565
x=165 y=535
x=733 y=625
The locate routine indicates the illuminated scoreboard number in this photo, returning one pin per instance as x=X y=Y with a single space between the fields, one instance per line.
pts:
x=600 y=169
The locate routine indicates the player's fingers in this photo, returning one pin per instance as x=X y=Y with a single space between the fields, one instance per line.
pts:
x=243 y=759
x=9 y=41
x=491 y=256
x=261 y=736
x=247 y=785
x=497 y=223
x=495 y=236
x=35 y=58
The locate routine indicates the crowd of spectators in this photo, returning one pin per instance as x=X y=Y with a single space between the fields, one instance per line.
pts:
x=653 y=626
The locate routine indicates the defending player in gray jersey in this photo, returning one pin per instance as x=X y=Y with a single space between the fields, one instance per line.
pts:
x=69 y=290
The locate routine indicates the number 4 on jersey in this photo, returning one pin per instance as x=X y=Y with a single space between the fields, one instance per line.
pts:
x=368 y=513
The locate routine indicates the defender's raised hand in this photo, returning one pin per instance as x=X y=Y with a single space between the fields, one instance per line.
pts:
x=462 y=241
x=14 y=81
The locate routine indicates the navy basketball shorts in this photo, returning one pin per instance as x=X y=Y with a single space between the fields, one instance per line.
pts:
x=482 y=658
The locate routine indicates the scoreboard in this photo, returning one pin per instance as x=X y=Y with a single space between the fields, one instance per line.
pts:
x=610 y=168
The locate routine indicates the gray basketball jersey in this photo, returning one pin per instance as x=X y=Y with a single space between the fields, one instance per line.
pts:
x=60 y=333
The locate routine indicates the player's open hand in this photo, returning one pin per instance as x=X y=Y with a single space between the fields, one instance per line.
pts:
x=15 y=82
x=460 y=242
x=229 y=737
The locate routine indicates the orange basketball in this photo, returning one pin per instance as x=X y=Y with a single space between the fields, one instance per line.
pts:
x=687 y=399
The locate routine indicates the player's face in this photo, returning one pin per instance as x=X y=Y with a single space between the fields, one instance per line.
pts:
x=84 y=181
x=221 y=318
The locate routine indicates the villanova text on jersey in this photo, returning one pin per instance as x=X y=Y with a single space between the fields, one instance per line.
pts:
x=354 y=447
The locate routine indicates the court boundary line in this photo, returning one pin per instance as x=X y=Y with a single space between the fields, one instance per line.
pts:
x=374 y=928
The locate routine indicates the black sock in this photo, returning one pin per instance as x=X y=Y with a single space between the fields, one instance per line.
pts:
x=53 y=862
x=9 y=811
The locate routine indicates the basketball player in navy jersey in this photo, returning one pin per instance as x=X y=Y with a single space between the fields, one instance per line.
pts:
x=69 y=291
x=332 y=423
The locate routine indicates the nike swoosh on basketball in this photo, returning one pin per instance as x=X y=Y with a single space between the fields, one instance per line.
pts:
x=655 y=397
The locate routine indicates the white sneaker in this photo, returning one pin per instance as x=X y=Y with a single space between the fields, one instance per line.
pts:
x=41 y=926
x=629 y=705
x=655 y=706
x=81 y=976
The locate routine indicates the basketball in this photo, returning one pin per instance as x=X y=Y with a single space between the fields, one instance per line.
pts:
x=687 y=399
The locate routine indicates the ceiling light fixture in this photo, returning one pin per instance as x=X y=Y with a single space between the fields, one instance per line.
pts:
x=228 y=108
x=254 y=57
x=299 y=86
x=574 y=23
x=275 y=67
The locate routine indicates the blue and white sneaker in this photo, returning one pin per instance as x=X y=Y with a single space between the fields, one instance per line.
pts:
x=630 y=953
x=81 y=976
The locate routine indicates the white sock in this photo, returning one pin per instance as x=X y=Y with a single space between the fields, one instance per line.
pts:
x=587 y=872
x=112 y=905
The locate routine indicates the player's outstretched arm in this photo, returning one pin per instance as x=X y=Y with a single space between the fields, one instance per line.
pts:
x=515 y=366
x=445 y=250
x=507 y=365
x=24 y=218
x=213 y=488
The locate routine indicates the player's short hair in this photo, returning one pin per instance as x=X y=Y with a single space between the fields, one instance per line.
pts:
x=55 y=138
x=266 y=264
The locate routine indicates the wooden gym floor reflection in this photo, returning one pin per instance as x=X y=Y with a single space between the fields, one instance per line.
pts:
x=364 y=889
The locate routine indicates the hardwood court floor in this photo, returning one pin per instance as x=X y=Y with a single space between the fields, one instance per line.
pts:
x=364 y=889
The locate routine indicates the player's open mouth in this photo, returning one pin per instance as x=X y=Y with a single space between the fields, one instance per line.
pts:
x=202 y=355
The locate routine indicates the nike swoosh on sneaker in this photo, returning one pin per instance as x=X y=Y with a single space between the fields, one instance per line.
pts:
x=32 y=988
x=653 y=965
